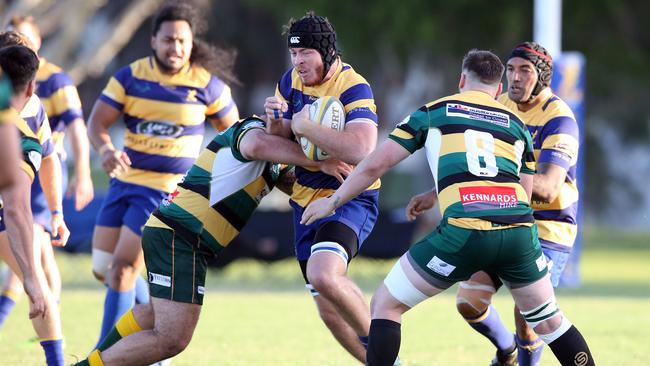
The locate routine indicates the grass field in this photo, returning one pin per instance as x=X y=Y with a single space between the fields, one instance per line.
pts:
x=259 y=314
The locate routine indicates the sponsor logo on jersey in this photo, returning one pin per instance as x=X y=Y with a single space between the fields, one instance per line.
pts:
x=440 y=267
x=487 y=198
x=158 y=129
x=294 y=40
x=478 y=114
x=191 y=96
x=161 y=280
x=170 y=197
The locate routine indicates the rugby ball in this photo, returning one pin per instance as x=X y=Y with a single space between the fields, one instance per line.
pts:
x=328 y=112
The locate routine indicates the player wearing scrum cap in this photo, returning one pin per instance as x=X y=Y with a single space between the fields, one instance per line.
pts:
x=555 y=199
x=482 y=160
x=325 y=247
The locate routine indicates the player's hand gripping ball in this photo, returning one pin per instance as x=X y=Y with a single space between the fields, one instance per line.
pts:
x=328 y=112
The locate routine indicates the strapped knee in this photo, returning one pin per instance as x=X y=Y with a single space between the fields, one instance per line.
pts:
x=471 y=300
x=331 y=247
x=401 y=288
x=101 y=261
x=544 y=312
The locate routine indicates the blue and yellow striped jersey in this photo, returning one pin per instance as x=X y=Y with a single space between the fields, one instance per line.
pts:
x=476 y=150
x=164 y=116
x=36 y=136
x=556 y=140
x=60 y=99
x=219 y=193
x=355 y=94
x=34 y=115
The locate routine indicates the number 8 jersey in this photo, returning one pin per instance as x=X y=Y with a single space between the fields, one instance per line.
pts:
x=476 y=149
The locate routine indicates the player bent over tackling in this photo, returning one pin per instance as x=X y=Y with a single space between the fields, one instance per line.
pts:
x=202 y=216
x=481 y=157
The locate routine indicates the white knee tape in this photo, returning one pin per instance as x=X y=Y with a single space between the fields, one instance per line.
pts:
x=401 y=288
x=101 y=261
x=541 y=313
x=330 y=247
x=548 y=338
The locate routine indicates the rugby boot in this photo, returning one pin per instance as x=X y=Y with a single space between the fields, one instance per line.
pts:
x=505 y=359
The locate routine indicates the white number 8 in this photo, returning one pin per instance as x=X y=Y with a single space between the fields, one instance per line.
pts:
x=481 y=160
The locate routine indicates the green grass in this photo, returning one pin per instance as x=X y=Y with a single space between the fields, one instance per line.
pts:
x=260 y=314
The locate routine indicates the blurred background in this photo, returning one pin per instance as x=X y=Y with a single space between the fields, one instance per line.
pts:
x=410 y=53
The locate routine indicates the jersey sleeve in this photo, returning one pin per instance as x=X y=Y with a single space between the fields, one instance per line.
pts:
x=283 y=91
x=240 y=131
x=220 y=99
x=560 y=144
x=44 y=132
x=114 y=93
x=64 y=100
x=359 y=103
x=412 y=132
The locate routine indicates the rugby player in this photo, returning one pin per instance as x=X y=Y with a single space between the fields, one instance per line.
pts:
x=325 y=248
x=50 y=170
x=164 y=100
x=555 y=199
x=201 y=217
x=20 y=64
x=481 y=158
x=63 y=108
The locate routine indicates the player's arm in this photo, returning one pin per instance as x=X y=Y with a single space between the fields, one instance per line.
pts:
x=81 y=185
x=9 y=154
x=274 y=109
x=221 y=111
x=50 y=178
x=548 y=182
x=20 y=232
x=352 y=145
x=559 y=151
x=369 y=170
x=102 y=117
x=257 y=144
x=420 y=203
x=229 y=119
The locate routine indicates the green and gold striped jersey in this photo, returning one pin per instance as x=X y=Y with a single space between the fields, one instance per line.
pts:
x=219 y=193
x=476 y=149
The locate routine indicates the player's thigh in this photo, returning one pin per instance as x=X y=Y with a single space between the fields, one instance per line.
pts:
x=105 y=238
x=128 y=249
x=407 y=284
x=334 y=246
x=557 y=261
x=175 y=268
x=43 y=239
